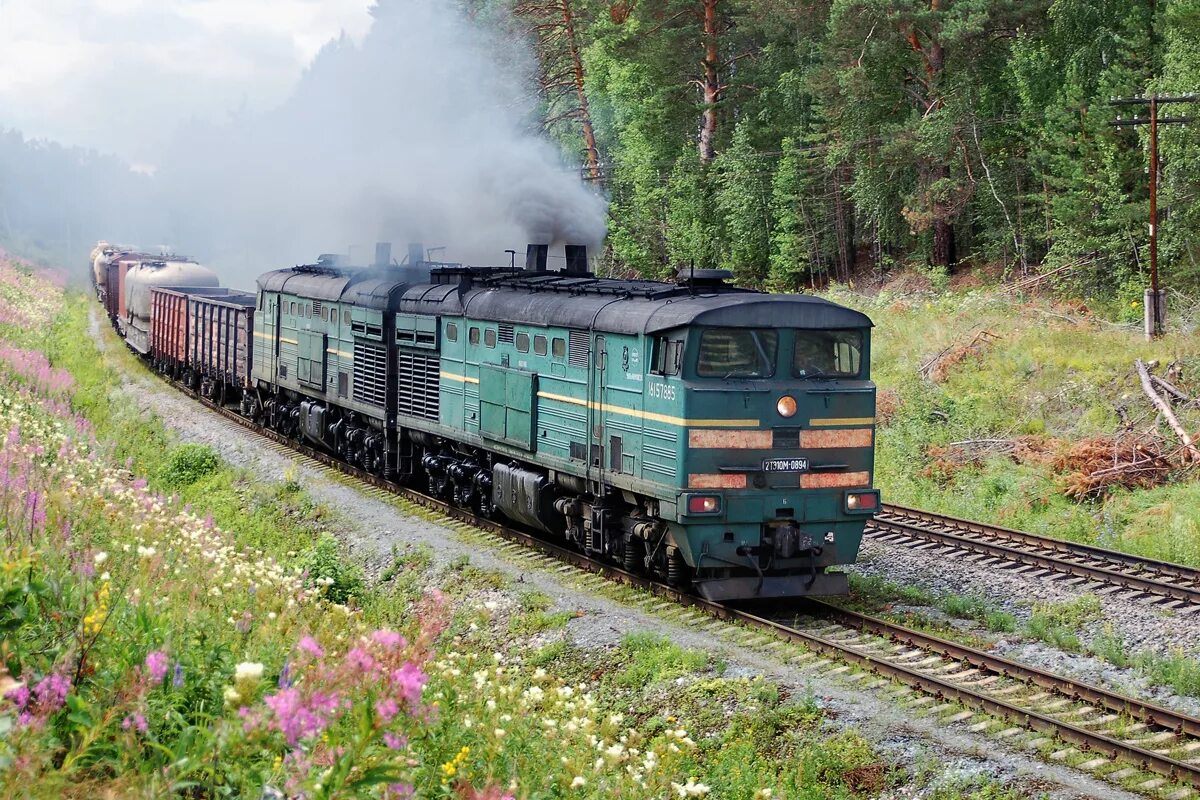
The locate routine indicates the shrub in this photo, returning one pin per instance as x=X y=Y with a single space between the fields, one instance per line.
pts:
x=187 y=464
x=325 y=566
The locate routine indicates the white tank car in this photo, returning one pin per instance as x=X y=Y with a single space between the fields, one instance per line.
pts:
x=148 y=273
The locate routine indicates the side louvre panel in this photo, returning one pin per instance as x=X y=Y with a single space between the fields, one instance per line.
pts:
x=419 y=385
x=370 y=372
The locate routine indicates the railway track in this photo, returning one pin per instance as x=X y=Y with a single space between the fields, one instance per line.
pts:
x=1169 y=586
x=1115 y=737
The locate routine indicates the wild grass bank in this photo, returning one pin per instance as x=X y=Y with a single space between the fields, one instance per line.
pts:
x=173 y=627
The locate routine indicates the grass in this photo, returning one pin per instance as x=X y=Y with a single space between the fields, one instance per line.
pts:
x=649 y=658
x=873 y=594
x=1043 y=375
x=1059 y=624
x=1176 y=670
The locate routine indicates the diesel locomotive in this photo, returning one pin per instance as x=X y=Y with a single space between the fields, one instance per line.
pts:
x=714 y=435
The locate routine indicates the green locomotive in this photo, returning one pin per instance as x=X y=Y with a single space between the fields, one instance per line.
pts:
x=710 y=434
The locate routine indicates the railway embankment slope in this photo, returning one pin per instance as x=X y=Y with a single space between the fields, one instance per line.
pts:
x=181 y=618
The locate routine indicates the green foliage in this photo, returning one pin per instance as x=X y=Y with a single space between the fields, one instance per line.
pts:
x=324 y=565
x=187 y=464
x=1058 y=624
x=1111 y=647
x=651 y=659
x=743 y=200
x=1176 y=670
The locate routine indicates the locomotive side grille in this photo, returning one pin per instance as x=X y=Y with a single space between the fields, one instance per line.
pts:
x=317 y=309
x=419 y=385
x=577 y=355
x=506 y=333
x=370 y=372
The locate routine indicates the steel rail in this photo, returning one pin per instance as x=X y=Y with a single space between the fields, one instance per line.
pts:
x=1101 y=574
x=1060 y=546
x=1150 y=713
x=934 y=685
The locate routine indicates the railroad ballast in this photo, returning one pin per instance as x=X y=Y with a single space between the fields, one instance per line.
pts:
x=714 y=435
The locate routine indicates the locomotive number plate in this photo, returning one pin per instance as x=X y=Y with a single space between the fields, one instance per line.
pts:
x=785 y=465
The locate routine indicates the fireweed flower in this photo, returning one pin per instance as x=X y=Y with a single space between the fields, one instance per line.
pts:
x=156 y=666
x=309 y=645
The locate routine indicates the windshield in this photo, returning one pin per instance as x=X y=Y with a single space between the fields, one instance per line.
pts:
x=737 y=353
x=831 y=353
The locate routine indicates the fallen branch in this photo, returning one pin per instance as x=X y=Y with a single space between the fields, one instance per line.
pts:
x=1169 y=388
x=1165 y=408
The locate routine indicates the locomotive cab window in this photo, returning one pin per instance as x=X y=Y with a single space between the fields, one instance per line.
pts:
x=451 y=332
x=667 y=356
x=836 y=354
x=522 y=342
x=737 y=353
x=489 y=338
x=539 y=345
x=558 y=347
x=474 y=336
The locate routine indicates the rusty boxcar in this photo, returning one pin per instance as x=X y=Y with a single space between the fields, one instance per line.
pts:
x=221 y=342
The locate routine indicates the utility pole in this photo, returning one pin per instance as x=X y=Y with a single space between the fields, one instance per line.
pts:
x=1155 y=298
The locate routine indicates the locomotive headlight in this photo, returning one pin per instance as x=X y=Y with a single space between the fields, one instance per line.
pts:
x=786 y=406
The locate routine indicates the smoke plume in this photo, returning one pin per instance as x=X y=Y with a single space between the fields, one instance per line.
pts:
x=421 y=132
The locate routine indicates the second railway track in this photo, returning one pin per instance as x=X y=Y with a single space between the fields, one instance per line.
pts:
x=1171 y=586
x=1116 y=737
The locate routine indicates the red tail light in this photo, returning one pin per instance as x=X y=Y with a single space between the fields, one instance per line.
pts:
x=862 y=501
x=704 y=504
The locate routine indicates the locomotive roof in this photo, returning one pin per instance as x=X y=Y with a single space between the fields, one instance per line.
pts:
x=560 y=299
x=369 y=287
x=630 y=307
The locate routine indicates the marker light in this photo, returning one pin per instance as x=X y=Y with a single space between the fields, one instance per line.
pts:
x=703 y=504
x=786 y=406
x=865 y=501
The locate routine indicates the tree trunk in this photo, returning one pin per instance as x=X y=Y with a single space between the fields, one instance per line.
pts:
x=585 y=114
x=710 y=84
x=843 y=210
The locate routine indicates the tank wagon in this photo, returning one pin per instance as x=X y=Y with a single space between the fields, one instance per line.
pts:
x=710 y=434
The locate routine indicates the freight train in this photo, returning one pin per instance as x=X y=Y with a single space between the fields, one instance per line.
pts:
x=715 y=436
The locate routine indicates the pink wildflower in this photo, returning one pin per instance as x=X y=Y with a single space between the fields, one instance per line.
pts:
x=394 y=742
x=293 y=718
x=135 y=721
x=309 y=645
x=387 y=709
x=388 y=639
x=409 y=680
x=156 y=666
x=360 y=660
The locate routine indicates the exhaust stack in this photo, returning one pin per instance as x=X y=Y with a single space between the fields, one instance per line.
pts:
x=416 y=253
x=383 y=254
x=577 y=262
x=535 y=257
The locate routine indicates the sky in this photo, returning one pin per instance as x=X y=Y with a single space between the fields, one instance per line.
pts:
x=90 y=72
